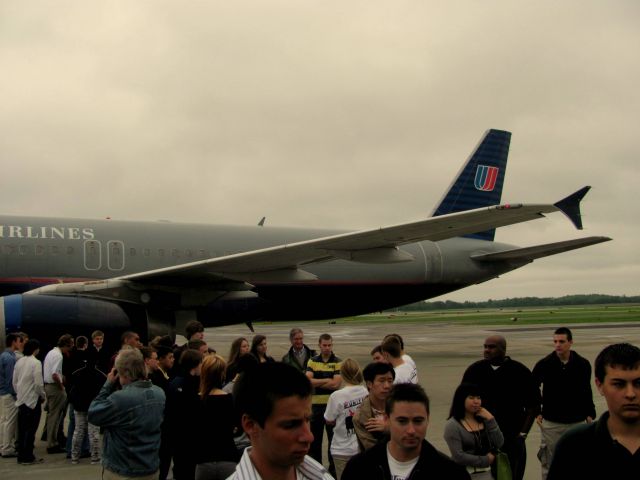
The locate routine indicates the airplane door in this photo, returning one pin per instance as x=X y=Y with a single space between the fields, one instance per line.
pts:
x=115 y=250
x=92 y=255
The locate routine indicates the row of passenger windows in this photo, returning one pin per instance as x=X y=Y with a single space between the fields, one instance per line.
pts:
x=114 y=250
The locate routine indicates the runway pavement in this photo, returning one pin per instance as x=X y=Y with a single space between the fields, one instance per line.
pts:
x=442 y=352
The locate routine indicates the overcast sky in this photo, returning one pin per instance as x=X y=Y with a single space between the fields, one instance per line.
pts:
x=347 y=114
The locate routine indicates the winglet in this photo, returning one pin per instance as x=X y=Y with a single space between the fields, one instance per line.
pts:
x=570 y=206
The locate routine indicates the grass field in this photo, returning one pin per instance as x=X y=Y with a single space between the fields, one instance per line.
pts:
x=512 y=316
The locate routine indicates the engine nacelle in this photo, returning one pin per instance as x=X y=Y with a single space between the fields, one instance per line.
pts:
x=46 y=318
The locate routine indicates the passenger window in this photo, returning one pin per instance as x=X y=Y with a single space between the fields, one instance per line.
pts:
x=175 y=252
x=146 y=252
x=132 y=252
x=69 y=250
x=39 y=250
x=24 y=249
x=188 y=253
x=54 y=250
x=161 y=252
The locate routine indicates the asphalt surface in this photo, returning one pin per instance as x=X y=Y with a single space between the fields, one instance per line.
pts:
x=442 y=353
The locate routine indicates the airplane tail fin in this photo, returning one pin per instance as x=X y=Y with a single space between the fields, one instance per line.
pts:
x=479 y=182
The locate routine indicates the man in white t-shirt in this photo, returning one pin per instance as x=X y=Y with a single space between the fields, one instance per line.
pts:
x=405 y=373
x=407 y=453
x=405 y=356
x=55 y=390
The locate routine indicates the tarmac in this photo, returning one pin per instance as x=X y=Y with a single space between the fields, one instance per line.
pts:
x=442 y=352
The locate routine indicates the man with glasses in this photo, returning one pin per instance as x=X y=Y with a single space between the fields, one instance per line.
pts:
x=510 y=392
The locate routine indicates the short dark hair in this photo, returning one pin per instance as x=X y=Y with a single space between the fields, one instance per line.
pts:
x=394 y=335
x=164 y=341
x=622 y=355
x=406 y=392
x=81 y=342
x=376 y=349
x=163 y=351
x=193 y=326
x=12 y=337
x=31 y=346
x=464 y=390
x=325 y=337
x=374 y=369
x=196 y=344
x=392 y=346
x=147 y=351
x=127 y=335
x=190 y=359
x=258 y=389
x=65 y=340
x=564 y=331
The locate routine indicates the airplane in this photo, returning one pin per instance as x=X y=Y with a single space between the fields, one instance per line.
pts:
x=67 y=275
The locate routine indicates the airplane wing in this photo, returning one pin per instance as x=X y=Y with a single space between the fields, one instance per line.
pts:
x=283 y=263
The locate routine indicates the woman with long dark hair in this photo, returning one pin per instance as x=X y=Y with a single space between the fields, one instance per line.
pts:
x=240 y=346
x=259 y=349
x=472 y=433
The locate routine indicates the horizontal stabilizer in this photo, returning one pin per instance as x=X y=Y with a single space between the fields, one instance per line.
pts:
x=570 y=206
x=528 y=254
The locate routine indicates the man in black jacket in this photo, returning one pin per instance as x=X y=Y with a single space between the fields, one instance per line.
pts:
x=567 y=399
x=407 y=455
x=509 y=391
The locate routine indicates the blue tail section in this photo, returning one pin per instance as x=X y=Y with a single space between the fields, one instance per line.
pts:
x=479 y=183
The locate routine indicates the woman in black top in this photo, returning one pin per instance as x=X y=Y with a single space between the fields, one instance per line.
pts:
x=217 y=455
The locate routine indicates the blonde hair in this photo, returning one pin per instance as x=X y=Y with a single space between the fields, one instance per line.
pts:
x=351 y=372
x=213 y=374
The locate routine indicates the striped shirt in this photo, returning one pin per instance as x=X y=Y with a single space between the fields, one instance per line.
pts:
x=309 y=469
x=322 y=370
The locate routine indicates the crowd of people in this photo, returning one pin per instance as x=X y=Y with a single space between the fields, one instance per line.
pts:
x=161 y=410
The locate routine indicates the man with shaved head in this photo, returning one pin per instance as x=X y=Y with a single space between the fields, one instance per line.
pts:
x=509 y=391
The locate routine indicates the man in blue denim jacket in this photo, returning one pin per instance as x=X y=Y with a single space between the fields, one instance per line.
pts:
x=130 y=419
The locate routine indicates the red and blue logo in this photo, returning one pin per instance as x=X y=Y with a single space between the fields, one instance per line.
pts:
x=486 y=178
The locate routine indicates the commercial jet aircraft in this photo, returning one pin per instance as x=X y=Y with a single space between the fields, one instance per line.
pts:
x=64 y=275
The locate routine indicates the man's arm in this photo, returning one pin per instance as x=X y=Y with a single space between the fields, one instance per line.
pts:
x=532 y=398
x=103 y=412
x=334 y=383
x=57 y=377
x=587 y=394
x=38 y=380
x=317 y=382
x=366 y=439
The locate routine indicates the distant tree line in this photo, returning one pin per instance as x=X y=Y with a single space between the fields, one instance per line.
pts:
x=590 y=299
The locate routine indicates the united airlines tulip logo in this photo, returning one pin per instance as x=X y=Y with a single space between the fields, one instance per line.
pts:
x=486 y=178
